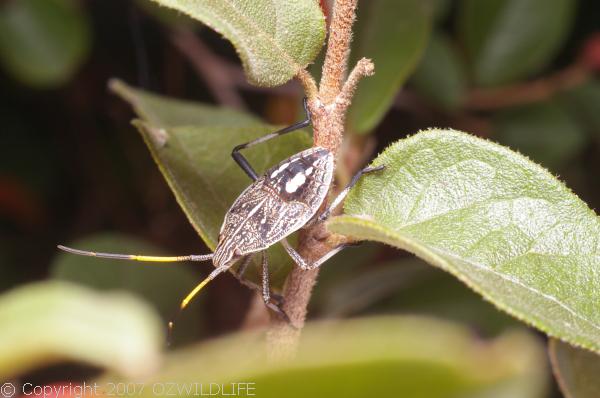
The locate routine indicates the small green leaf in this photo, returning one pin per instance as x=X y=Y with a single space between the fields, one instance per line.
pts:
x=409 y=356
x=44 y=323
x=495 y=220
x=166 y=112
x=512 y=39
x=544 y=131
x=42 y=43
x=196 y=160
x=393 y=33
x=160 y=284
x=274 y=38
x=577 y=371
x=441 y=76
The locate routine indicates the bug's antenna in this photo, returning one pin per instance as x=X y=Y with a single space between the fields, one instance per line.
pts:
x=189 y=297
x=137 y=257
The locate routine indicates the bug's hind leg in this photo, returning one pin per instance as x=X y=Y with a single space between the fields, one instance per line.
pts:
x=338 y=200
x=307 y=265
x=266 y=290
x=239 y=275
x=243 y=162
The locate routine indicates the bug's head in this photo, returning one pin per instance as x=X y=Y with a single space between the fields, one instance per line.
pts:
x=225 y=255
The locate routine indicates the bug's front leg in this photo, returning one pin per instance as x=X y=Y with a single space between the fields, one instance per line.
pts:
x=243 y=162
x=342 y=195
x=307 y=265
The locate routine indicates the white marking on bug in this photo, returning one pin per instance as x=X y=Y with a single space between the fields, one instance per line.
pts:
x=279 y=170
x=309 y=171
x=295 y=183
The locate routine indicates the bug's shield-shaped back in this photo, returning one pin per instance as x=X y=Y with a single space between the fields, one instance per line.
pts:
x=277 y=204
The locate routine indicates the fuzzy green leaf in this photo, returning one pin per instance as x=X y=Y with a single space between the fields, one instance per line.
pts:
x=577 y=371
x=274 y=38
x=413 y=357
x=48 y=322
x=42 y=43
x=192 y=145
x=393 y=33
x=497 y=221
x=511 y=39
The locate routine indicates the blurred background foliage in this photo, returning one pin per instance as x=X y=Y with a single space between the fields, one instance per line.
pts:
x=72 y=169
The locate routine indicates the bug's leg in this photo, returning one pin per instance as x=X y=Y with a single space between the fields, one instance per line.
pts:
x=266 y=289
x=138 y=257
x=306 y=265
x=243 y=162
x=338 y=200
x=243 y=267
x=239 y=275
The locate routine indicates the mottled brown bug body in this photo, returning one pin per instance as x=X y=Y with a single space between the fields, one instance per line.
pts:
x=277 y=204
x=286 y=198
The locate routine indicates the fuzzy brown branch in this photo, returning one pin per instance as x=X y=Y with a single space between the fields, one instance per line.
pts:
x=338 y=49
x=328 y=109
x=363 y=68
x=308 y=83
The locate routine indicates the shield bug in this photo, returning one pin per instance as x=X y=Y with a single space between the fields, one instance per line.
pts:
x=284 y=199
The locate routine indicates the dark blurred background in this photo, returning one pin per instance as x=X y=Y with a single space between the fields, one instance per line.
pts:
x=72 y=166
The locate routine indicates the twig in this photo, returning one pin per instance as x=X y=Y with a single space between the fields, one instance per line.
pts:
x=328 y=108
x=208 y=65
x=338 y=49
x=363 y=68
x=529 y=92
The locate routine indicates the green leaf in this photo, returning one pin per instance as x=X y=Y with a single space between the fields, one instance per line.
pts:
x=166 y=112
x=544 y=131
x=43 y=43
x=495 y=220
x=162 y=285
x=413 y=357
x=511 y=39
x=274 y=38
x=441 y=76
x=48 y=322
x=576 y=370
x=393 y=33
x=196 y=160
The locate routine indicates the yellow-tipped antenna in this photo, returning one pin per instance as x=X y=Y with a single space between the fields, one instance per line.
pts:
x=190 y=296
x=194 y=292
x=138 y=257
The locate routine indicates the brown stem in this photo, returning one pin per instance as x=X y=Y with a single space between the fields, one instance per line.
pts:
x=328 y=108
x=529 y=92
x=338 y=49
